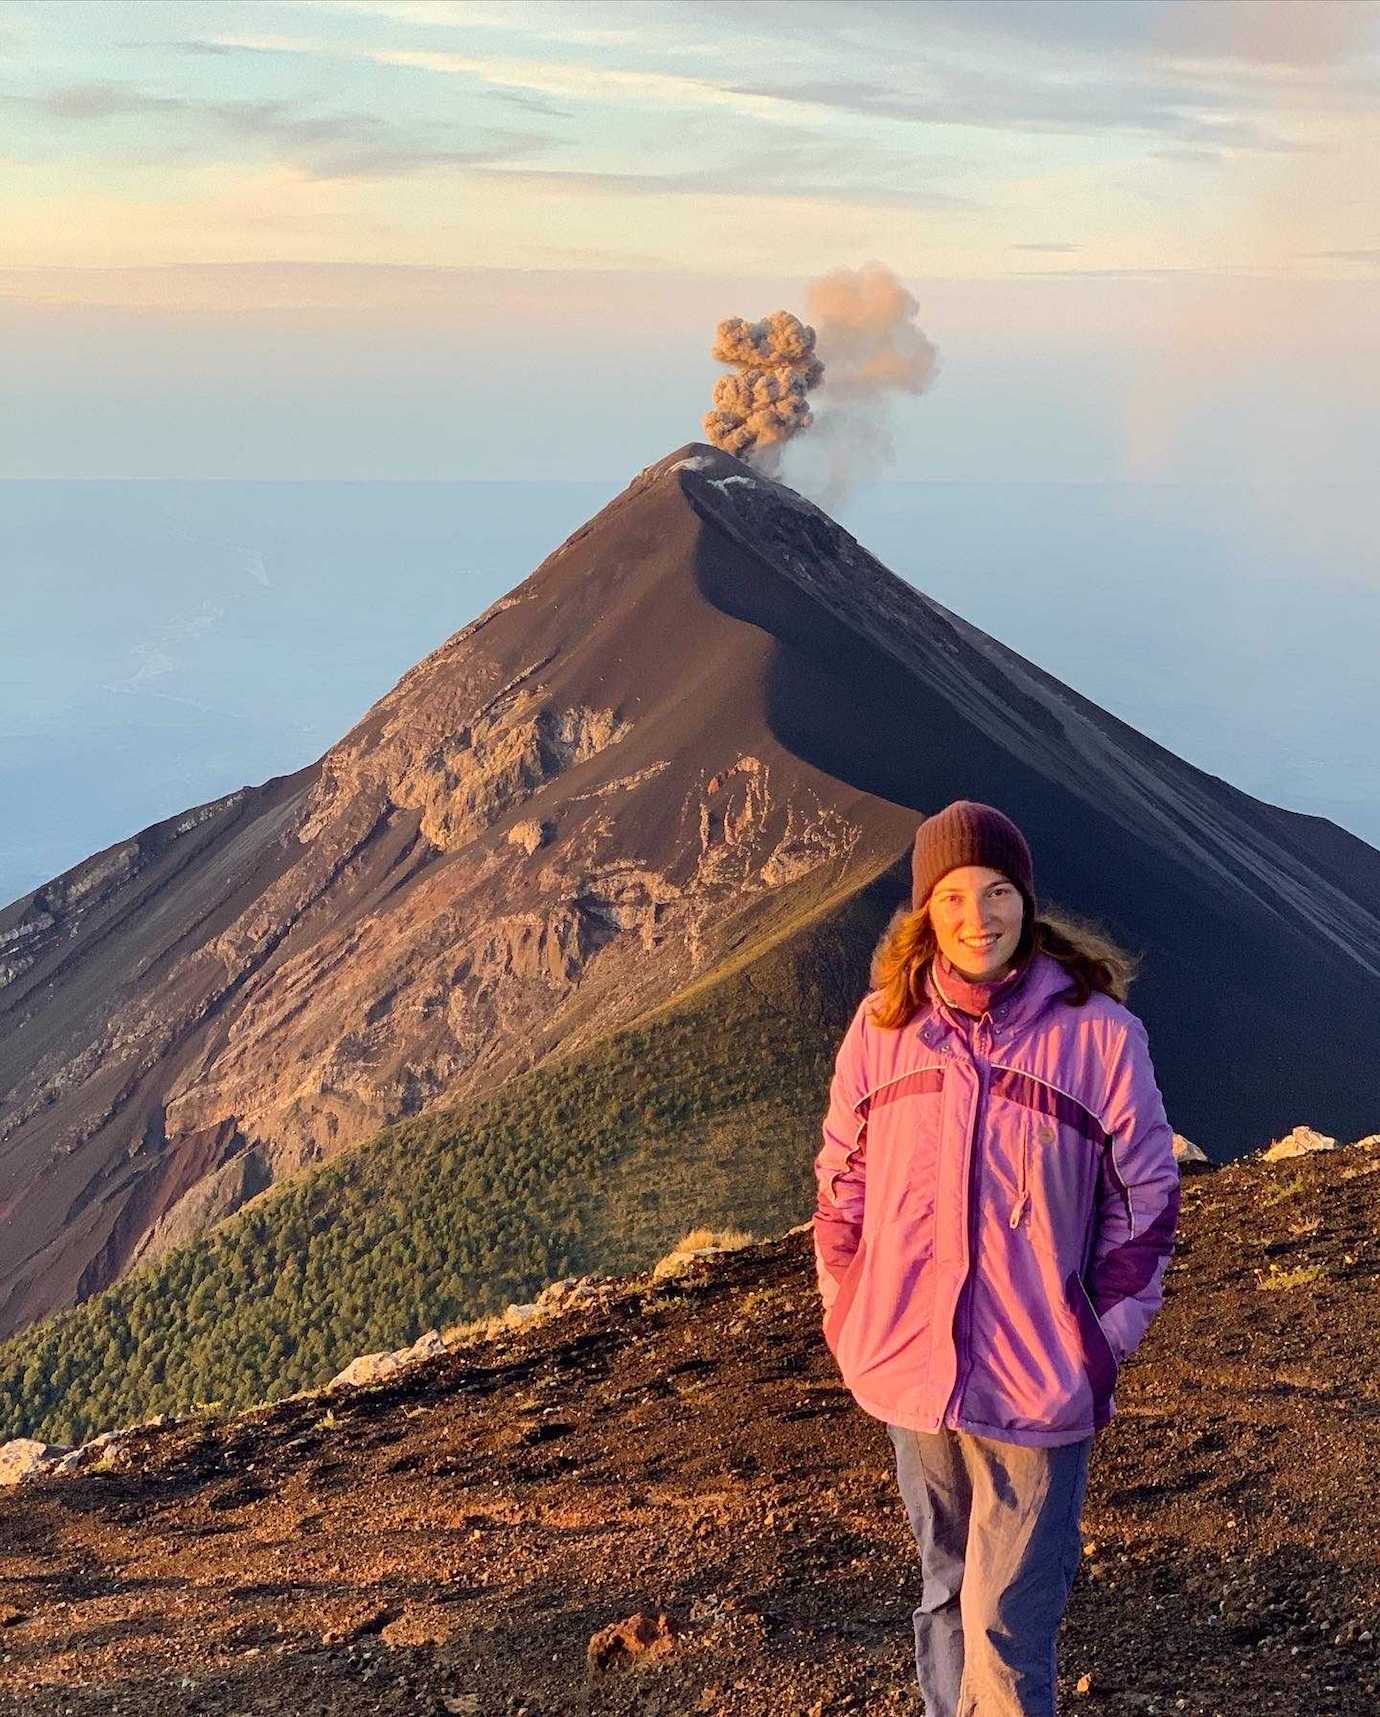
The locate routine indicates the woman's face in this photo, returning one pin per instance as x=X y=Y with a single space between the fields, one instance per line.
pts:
x=976 y=914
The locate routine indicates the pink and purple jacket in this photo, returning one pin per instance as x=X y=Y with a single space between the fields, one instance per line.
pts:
x=998 y=1199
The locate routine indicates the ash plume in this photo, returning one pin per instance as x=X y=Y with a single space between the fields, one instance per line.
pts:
x=873 y=350
x=763 y=403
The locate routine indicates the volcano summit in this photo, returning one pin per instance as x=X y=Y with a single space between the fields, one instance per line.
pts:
x=708 y=719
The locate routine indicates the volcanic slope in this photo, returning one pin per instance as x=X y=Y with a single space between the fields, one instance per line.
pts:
x=454 y=1538
x=708 y=715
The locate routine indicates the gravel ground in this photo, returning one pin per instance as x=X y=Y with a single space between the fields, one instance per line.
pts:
x=454 y=1540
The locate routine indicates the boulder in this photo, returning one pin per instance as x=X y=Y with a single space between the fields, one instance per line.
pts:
x=77 y=1460
x=26 y=1457
x=637 y=1636
x=522 y=1314
x=1300 y=1143
x=377 y=1367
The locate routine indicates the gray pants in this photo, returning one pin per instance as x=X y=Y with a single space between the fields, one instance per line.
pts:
x=998 y=1529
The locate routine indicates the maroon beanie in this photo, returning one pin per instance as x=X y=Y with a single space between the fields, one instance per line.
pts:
x=967 y=832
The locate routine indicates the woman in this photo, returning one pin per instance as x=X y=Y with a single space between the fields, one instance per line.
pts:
x=998 y=1196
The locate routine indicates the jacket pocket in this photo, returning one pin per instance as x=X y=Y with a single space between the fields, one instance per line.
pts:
x=1018 y=1209
x=1099 y=1359
x=848 y=1287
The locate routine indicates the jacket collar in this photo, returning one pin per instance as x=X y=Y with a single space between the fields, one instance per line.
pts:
x=1043 y=983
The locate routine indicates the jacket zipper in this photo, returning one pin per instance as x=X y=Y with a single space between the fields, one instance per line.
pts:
x=1023 y=1197
x=974 y=1185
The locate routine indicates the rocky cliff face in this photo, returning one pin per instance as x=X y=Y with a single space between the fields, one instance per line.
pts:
x=707 y=715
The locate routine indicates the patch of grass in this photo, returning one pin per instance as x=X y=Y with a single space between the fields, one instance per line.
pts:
x=1297 y=1277
x=759 y=1303
x=681 y=1256
x=1290 y=1185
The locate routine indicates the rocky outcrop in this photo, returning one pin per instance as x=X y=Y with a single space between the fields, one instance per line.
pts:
x=26 y=1457
x=376 y=1367
x=1299 y=1142
x=635 y=1638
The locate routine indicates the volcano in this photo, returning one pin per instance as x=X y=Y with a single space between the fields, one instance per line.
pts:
x=708 y=718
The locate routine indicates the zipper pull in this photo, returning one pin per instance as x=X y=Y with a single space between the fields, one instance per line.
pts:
x=1017 y=1208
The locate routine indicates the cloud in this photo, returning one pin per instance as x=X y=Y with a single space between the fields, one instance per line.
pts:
x=808 y=170
x=1212 y=104
x=325 y=146
x=566 y=80
x=1187 y=152
x=1286 y=33
x=1055 y=249
x=793 y=163
x=951 y=94
x=551 y=22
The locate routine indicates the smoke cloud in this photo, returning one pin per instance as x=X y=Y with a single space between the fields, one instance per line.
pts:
x=759 y=407
x=874 y=352
x=862 y=343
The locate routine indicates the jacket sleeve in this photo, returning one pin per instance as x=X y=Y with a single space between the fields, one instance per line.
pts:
x=841 y=1165
x=1137 y=1199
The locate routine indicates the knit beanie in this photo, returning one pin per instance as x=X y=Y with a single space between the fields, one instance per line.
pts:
x=967 y=832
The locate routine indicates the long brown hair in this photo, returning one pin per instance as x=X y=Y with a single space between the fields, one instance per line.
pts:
x=1092 y=960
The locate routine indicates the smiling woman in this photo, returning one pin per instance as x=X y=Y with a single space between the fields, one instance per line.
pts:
x=998 y=1197
x=976 y=914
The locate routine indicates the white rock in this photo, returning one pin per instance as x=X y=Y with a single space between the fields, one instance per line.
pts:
x=431 y=1345
x=87 y=1454
x=522 y=1314
x=26 y=1457
x=365 y=1368
x=376 y=1367
x=1185 y=1151
x=1299 y=1143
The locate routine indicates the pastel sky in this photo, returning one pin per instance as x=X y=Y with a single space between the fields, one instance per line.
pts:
x=347 y=238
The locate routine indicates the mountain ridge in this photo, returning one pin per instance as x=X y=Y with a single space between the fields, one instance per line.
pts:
x=706 y=713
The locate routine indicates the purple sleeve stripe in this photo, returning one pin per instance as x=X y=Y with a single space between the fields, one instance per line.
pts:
x=1130 y=1268
x=923 y=1082
x=836 y=1243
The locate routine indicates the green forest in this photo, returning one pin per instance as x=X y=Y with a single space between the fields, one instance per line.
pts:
x=708 y=1114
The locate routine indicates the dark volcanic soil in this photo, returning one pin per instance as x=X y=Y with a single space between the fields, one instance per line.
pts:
x=450 y=1542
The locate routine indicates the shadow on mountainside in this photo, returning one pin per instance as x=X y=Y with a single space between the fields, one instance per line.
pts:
x=450 y=1540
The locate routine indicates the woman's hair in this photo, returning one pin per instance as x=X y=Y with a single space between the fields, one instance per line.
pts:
x=1092 y=960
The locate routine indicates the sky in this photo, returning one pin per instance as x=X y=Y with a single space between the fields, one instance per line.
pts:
x=349 y=239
